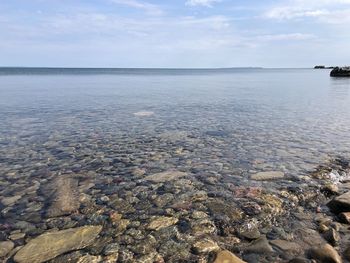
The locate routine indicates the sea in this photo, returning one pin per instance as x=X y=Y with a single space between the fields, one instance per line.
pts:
x=109 y=129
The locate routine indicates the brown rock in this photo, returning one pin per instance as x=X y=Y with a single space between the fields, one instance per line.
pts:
x=340 y=203
x=286 y=246
x=345 y=217
x=226 y=256
x=63 y=196
x=264 y=176
x=325 y=254
x=53 y=244
x=161 y=222
x=205 y=246
x=6 y=247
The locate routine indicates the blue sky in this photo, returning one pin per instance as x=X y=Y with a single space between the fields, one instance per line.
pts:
x=177 y=33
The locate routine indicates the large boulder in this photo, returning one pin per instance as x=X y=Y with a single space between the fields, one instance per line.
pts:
x=340 y=72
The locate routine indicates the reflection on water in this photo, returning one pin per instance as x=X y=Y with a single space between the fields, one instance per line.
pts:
x=107 y=133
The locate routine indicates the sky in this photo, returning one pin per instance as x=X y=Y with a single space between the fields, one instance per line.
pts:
x=174 y=34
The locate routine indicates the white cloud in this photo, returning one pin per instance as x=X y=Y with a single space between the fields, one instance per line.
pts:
x=148 y=7
x=286 y=37
x=322 y=10
x=293 y=12
x=207 y=3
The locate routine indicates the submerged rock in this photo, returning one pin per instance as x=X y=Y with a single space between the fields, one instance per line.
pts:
x=264 y=176
x=205 y=246
x=161 y=222
x=165 y=176
x=63 y=196
x=53 y=244
x=6 y=247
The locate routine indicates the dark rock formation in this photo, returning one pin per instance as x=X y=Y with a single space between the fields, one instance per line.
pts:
x=340 y=72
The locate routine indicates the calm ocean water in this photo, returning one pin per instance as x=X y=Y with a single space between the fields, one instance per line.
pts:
x=291 y=119
x=156 y=160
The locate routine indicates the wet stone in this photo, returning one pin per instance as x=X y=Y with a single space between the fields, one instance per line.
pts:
x=264 y=176
x=226 y=256
x=161 y=222
x=6 y=247
x=205 y=246
x=340 y=203
x=165 y=176
x=52 y=244
x=325 y=253
x=286 y=246
x=259 y=246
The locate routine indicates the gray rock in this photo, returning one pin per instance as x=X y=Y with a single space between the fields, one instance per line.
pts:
x=264 y=176
x=259 y=246
x=340 y=72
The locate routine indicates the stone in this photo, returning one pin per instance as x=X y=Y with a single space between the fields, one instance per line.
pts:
x=344 y=217
x=226 y=256
x=144 y=113
x=250 y=234
x=205 y=246
x=347 y=253
x=332 y=236
x=286 y=246
x=9 y=201
x=325 y=254
x=111 y=249
x=52 y=244
x=161 y=222
x=264 y=176
x=63 y=196
x=165 y=176
x=340 y=203
x=90 y=259
x=259 y=246
x=17 y=236
x=6 y=247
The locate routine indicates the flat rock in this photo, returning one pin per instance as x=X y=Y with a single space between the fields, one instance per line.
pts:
x=50 y=245
x=259 y=246
x=205 y=246
x=161 y=222
x=63 y=196
x=226 y=256
x=8 y=201
x=6 y=247
x=165 y=176
x=264 y=176
x=286 y=246
x=340 y=203
x=325 y=254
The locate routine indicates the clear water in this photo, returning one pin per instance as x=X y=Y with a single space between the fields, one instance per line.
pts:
x=287 y=119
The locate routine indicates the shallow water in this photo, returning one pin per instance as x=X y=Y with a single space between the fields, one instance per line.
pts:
x=224 y=124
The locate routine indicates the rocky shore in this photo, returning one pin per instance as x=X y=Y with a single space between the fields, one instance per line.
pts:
x=176 y=216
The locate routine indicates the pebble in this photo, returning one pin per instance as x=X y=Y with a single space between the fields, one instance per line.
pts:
x=9 y=201
x=161 y=222
x=205 y=246
x=165 y=176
